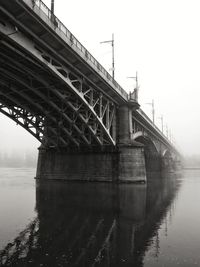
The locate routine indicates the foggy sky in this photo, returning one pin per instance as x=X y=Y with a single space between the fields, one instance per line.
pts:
x=159 y=39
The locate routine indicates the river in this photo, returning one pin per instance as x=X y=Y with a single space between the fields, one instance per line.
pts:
x=99 y=224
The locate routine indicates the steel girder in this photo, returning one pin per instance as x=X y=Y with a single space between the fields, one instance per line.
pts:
x=52 y=102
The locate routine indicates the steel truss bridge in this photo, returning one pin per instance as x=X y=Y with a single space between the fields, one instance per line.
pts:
x=54 y=88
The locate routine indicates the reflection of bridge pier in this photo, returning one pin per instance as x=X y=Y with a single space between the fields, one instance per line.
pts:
x=54 y=88
x=99 y=221
x=81 y=224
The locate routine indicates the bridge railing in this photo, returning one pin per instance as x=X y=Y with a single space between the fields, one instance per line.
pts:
x=58 y=24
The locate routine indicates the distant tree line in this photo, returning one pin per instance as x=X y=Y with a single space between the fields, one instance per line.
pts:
x=16 y=160
x=192 y=161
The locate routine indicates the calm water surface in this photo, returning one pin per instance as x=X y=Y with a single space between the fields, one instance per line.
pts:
x=81 y=224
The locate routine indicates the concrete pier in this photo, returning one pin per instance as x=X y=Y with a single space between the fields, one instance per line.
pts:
x=128 y=161
x=126 y=164
x=123 y=163
x=131 y=164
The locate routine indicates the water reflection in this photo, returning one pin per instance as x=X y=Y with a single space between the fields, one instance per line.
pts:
x=84 y=224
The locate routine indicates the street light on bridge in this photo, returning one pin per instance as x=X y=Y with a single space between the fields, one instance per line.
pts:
x=113 y=58
x=153 y=110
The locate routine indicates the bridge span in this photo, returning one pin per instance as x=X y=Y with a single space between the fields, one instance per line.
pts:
x=87 y=124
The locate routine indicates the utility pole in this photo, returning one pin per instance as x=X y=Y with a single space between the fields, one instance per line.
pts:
x=161 y=118
x=170 y=135
x=52 y=6
x=136 y=79
x=113 y=56
x=153 y=110
x=135 y=92
x=167 y=132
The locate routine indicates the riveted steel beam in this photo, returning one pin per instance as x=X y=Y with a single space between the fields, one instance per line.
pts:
x=87 y=106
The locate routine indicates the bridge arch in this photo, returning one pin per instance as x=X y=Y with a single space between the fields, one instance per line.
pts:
x=168 y=160
x=144 y=138
x=151 y=153
x=139 y=134
x=54 y=104
x=167 y=153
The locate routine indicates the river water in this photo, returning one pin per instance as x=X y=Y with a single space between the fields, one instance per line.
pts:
x=99 y=224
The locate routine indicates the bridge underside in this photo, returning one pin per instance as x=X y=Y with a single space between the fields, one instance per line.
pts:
x=50 y=100
x=151 y=154
x=85 y=127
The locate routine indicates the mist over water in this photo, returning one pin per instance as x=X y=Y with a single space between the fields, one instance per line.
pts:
x=16 y=142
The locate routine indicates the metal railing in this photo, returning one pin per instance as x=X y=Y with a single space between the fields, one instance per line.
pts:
x=85 y=53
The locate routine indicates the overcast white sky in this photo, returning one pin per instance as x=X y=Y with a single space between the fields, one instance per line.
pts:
x=160 y=39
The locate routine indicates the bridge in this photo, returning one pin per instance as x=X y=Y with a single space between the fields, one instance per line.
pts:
x=87 y=124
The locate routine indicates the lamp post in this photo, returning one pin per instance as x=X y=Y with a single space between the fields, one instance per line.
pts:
x=153 y=110
x=113 y=56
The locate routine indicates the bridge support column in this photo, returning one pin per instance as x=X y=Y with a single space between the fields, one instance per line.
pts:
x=126 y=164
x=153 y=163
x=125 y=125
x=168 y=164
x=77 y=165
x=132 y=163
x=131 y=157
